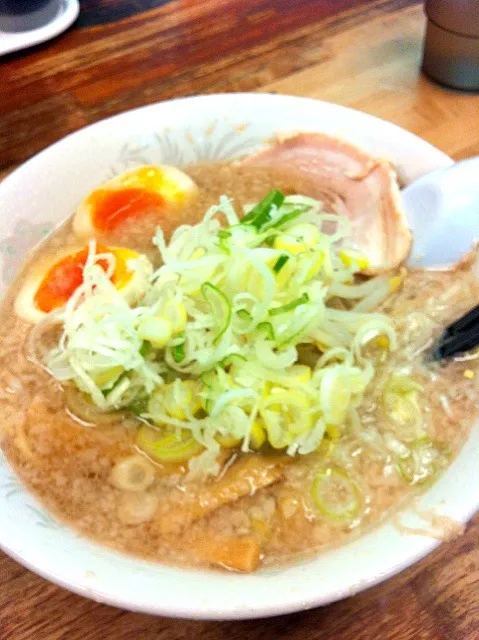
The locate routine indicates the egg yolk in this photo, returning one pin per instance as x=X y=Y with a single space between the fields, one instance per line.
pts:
x=111 y=207
x=66 y=275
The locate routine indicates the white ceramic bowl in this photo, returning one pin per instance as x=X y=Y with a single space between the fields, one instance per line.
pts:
x=42 y=193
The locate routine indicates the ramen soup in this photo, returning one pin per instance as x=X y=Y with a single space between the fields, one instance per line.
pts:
x=223 y=369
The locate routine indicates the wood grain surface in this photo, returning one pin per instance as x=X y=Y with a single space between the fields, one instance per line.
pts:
x=126 y=53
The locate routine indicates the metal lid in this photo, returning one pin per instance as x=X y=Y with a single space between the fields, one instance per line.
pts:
x=451 y=59
x=460 y=16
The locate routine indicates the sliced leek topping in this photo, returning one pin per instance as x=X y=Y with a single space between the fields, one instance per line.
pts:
x=232 y=359
x=172 y=448
x=228 y=442
x=257 y=436
x=280 y=262
x=403 y=408
x=424 y=460
x=275 y=311
x=261 y=213
x=220 y=309
x=212 y=352
x=178 y=352
x=336 y=495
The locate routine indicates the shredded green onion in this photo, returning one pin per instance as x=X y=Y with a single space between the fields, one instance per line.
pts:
x=276 y=311
x=178 y=352
x=287 y=217
x=145 y=349
x=220 y=309
x=280 y=262
x=261 y=213
x=266 y=328
x=240 y=303
x=243 y=314
x=232 y=359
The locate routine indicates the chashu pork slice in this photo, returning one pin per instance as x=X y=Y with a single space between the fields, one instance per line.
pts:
x=351 y=183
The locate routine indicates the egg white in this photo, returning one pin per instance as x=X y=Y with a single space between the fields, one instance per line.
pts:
x=24 y=305
x=137 y=285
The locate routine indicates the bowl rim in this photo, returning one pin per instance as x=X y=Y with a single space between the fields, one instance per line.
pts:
x=293 y=601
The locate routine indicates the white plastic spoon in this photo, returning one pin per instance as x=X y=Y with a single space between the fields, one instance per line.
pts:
x=442 y=209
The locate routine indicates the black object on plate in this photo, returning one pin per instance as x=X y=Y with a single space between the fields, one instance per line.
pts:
x=459 y=337
x=21 y=6
x=18 y=16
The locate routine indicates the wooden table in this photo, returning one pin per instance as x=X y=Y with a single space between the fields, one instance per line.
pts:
x=126 y=53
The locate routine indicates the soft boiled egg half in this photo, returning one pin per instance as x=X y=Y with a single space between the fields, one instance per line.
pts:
x=52 y=284
x=151 y=190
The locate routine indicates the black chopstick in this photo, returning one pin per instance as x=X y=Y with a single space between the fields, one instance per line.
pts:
x=459 y=337
x=468 y=320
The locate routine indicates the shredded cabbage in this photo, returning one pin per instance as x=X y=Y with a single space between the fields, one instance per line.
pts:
x=235 y=302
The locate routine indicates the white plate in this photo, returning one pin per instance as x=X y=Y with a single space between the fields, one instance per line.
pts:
x=61 y=14
x=45 y=190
